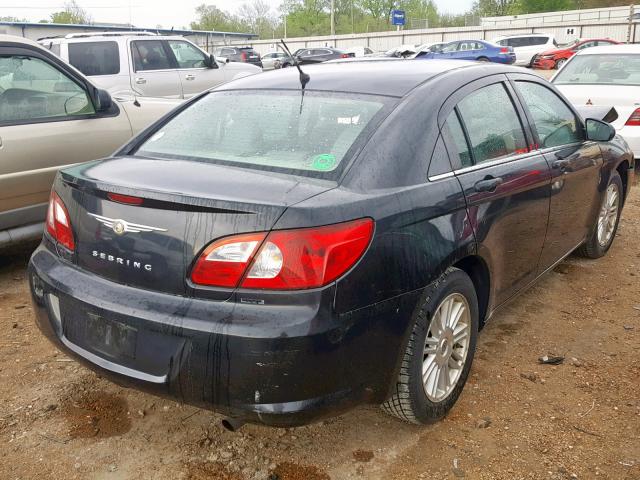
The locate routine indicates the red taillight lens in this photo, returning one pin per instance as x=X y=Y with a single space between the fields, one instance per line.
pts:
x=285 y=259
x=127 y=199
x=634 y=119
x=243 y=55
x=504 y=50
x=345 y=55
x=58 y=222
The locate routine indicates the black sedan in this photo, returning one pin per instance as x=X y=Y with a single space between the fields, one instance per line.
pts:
x=281 y=255
x=307 y=56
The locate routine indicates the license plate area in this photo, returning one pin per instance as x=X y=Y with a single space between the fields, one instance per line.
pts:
x=101 y=335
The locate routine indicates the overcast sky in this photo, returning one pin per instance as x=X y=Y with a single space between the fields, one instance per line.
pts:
x=149 y=13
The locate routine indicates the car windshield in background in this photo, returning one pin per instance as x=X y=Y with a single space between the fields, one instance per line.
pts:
x=605 y=69
x=267 y=130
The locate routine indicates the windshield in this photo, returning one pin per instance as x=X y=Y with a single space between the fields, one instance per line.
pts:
x=267 y=130
x=601 y=69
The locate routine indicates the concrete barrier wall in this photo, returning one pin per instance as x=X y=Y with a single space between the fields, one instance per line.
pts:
x=382 y=41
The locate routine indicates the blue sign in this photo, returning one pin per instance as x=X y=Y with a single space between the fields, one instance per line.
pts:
x=397 y=17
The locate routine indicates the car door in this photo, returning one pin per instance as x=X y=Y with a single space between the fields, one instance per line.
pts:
x=575 y=167
x=47 y=121
x=505 y=181
x=153 y=69
x=194 y=74
x=448 y=51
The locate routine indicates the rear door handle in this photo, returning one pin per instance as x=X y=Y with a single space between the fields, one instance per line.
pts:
x=489 y=184
x=190 y=77
x=141 y=81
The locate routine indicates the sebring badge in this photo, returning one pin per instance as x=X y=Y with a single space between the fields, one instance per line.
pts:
x=120 y=227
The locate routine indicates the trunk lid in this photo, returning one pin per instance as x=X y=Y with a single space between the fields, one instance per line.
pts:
x=186 y=205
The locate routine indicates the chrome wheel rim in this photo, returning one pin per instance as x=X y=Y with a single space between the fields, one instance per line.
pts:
x=446 y=347
x=608 y=215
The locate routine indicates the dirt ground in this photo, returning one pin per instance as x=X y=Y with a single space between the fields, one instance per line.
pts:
x=516 y=419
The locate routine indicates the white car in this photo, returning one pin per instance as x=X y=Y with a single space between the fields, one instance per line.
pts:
x=273 y=60
x=145 y=64
x=606 y=76
x=52 y=116
x=527 y=46
x=359 y=51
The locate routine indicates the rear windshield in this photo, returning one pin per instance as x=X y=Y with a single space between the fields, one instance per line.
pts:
x=273 y=130
x=596 y=69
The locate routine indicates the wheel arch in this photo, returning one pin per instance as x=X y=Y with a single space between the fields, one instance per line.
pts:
x=478 y=271
x=623 y=171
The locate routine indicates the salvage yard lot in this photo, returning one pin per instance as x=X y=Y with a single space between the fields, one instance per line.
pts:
x=515 y=419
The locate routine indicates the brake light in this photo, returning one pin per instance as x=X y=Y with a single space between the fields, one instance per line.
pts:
x=504 y=50
x=634 y=119
x=345 y=55
x=243 y=55
x=284 y=259
x=127 y=199
x=58 y=223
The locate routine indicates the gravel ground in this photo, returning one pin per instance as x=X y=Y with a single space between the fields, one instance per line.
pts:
x=516 y=419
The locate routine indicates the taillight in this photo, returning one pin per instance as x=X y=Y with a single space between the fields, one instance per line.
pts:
x=504 y=50
x=634 y=119
x=284 y=259
x=58 y=222
x=243 y=55
x=345 y=55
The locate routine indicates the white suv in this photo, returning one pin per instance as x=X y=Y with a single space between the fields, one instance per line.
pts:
x=527 y=46
x=145 y=64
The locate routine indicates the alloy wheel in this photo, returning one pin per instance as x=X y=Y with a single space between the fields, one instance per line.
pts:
x=608 y=215
x=446 y=347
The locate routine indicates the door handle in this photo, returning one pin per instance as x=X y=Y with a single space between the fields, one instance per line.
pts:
x=141 y=81
x=489 y=184
x=561 y=165
x=190 y=77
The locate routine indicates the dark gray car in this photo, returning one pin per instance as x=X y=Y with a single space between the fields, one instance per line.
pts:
x=240 y=54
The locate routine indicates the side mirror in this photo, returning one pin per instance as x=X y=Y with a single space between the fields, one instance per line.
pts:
x=599 y=131
x=104 y=101
x=210 y=62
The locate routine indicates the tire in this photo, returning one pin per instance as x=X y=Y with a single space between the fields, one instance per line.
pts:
x=532 y=61
x=597 y=246
x=560 y=62
x=410 y=401
x=483 y=59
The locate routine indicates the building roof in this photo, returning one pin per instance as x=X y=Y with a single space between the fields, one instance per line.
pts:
x=105 y=27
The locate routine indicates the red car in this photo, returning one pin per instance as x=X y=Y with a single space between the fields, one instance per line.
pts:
x=555 y=58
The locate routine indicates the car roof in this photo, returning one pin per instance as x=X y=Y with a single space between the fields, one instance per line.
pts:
x=381 y=77
x=611 y=49
x=15 y=39
x=518 y=35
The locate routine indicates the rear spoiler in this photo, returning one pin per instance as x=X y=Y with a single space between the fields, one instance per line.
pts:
x=606 y=114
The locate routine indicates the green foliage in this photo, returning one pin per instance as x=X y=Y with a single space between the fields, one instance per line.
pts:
x=72 y=14
x=12 y=19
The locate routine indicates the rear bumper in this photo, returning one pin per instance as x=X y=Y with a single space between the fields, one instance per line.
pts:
x=278 y=365
x=631 y=135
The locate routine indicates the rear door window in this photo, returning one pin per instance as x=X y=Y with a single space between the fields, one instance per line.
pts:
x=150 y=55
x=453 y=128
x=492 y=124
x=554 y=121
x=95 y=58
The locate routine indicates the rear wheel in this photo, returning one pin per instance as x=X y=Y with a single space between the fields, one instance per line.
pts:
x=483 y=59
x=604 y=231
x=438 y=357
x=560 y=62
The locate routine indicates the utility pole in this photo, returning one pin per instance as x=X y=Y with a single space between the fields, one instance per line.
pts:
x=333 y=17
x=285 y=25
x=631 y=12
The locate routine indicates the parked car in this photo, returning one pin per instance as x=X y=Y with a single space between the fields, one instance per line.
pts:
x=275 y=60
x=306 y=56
x=382 y=236
x=359 y=51
x=52 y=116
x=240 y=54
x=527 y=46
x=478 y=50
x=557 y=57
x=606 y=76
x=403 y=51
x=145 y=64
x=428 y=48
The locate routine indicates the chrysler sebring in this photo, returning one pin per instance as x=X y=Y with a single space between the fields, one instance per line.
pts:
x=279 y=253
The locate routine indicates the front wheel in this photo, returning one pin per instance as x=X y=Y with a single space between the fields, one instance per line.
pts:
x=604 y=231
x=560 y=62
x=438 y=357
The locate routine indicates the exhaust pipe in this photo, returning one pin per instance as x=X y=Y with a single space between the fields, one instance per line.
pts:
x=232 y=424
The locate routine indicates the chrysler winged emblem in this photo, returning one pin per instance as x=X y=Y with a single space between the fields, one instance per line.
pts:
x=120 y=227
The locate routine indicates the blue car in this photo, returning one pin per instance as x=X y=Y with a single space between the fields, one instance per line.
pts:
x=473 y=50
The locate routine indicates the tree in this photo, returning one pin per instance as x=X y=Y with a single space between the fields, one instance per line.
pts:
x=259 y=17
x=72 y=14
x=211 y=17
x=13 y=19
